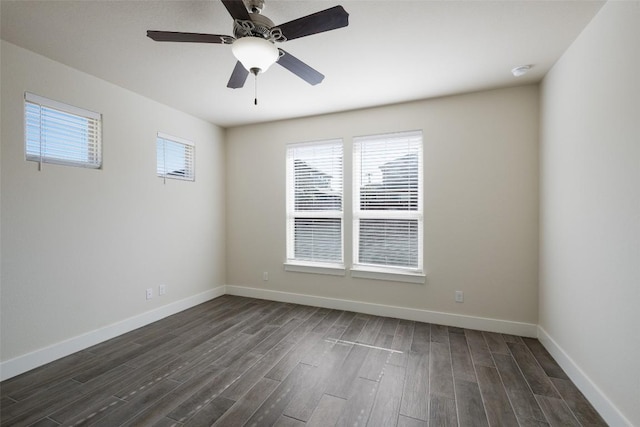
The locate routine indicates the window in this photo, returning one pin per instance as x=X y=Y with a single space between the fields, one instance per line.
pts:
x=175 y=157
x=387 y=217
x=314 y=203
x=60 y=133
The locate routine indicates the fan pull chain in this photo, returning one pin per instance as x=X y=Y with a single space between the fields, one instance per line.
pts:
x=255 y=99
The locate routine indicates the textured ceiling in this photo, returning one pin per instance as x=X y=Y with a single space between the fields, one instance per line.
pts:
x=392 y=51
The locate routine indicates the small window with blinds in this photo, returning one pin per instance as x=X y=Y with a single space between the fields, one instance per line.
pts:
x=60 y=133
x=388 y=202
x=314 y=203
x=175 y=157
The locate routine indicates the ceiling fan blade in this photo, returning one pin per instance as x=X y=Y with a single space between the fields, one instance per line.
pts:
x=173 y=36
x=238 y=76
x=299 y=68
x=326 y=20
x=237 y=9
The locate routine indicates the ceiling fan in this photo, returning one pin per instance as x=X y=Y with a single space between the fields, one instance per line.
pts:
x=255 y=35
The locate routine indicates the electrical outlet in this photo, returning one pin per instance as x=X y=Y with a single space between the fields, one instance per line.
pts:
x=459 y=296
x=162 y=289
x=149 y=293
x=265 y=276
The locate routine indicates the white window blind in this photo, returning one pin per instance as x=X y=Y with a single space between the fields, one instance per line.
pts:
x=388 y=221
x=175 y=157
x=314 y=202
x=61 y=133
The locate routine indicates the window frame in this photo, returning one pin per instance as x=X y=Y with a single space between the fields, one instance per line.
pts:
x=311 y=266
x=92 y=133
x=189 y=145
x=379 y=271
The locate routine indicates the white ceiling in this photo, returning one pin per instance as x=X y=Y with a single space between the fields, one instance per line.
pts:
x=392 y=51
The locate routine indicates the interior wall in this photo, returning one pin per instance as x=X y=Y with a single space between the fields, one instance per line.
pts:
x=80 y=246
x=590 y=208
x=481 y=204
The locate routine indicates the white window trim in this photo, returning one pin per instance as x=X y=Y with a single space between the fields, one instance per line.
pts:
x=361 y=270
x=315 y=268
x=171 y=138
x=72 y=110
x=302 y=266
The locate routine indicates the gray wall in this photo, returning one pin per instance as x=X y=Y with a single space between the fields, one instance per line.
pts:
x=481 y=204
x=590 y=209
x=79 y=246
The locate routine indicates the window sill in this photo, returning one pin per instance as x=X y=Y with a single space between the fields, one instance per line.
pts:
x=392 y=276
x=315 y=269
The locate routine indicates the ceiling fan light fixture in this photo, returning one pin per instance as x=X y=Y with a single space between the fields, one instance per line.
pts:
x=255 y=53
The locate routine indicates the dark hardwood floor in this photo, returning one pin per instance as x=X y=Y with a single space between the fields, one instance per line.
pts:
x=244 y=362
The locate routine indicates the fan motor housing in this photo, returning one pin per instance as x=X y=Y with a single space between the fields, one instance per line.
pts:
x=258 y=26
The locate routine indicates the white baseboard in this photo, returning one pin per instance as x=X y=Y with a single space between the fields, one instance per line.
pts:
x=449 y=319
x=594 y=395
x=26 y=362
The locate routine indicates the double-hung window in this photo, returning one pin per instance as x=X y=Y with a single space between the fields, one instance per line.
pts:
x=388 y=203
x=314 y=204
x=175 y=157
x=61 y=133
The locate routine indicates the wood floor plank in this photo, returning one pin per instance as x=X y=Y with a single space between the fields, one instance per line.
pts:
x=389 y=326
x=371 y=330
x=45 y=422
x=533 y=373
x=293 y=357
x=496 y=402
x=463 y=369
x=410 y=422
x=556 y=411
x=95 y=391
x=304 y=403
x=35 y=407
x=478 y=347
x=415 y=396
x=327 y=322
x=272 y=408
x=442 y=411
x=358 y=406
x=246 y=406
x=343 y=378
x=163 y=406
x=345 y=318
x=469 y=402
x=524 y=404
x=421 y=338
x=441 y=375
x=327 y=412
x=496 y=343
x=440 y=334
x=402 y=342
x=39 y=379
x=354 y=329
x=376 y=358
x=285 y=421
x=216 y=386
x=239 y=361
x=579 y=405
x=141 y=401
x=550 y=366
x=386 y=406
x=512 y=338
x=210 y=412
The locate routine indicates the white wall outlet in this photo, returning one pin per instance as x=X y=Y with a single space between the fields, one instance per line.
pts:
x=265 y=276
x=162 y=289
x=149 y=293
x=459 y=296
